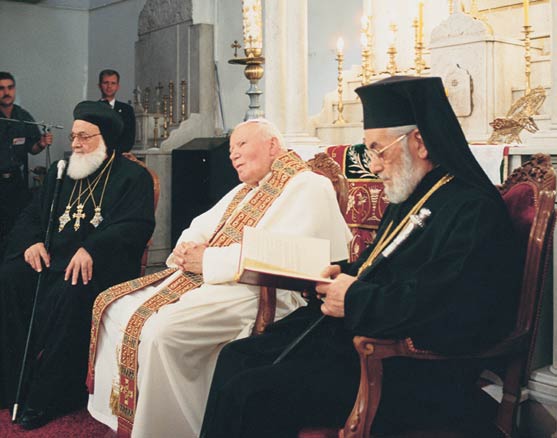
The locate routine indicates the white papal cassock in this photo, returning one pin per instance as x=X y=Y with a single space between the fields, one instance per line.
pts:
x=179 y=345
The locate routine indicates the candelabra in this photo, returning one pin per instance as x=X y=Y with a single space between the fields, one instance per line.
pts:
x=527 y=56
x=183 y=89
x=171 y=102
x=166 y=115
x=340 y=58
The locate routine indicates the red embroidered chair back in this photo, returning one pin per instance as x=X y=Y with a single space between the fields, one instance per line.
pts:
x=366 y=201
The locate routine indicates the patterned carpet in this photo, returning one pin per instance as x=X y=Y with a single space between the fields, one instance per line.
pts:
x=75 y=425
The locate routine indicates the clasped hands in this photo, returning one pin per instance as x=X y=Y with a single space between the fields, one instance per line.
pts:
x=332 y=294
x=80 y=264
x=188 y=256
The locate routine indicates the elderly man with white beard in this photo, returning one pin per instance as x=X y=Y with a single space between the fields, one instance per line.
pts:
x=104 y=218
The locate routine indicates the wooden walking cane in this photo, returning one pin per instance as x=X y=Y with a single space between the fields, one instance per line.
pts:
x=61 y=167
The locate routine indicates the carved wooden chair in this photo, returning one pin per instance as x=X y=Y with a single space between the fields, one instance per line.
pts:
x=529 y=194
x=156 y=194
x=323 y=165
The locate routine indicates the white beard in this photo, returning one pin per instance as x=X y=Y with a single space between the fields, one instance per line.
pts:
x=404 y=180
x=83 y=165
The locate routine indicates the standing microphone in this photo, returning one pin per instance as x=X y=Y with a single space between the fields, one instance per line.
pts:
x=48 y=235
x=416 y=222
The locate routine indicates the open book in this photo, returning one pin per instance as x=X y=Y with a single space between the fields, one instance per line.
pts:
x=283 y=261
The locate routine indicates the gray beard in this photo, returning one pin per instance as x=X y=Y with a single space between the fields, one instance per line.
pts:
x=83 y=165
x=404 y=181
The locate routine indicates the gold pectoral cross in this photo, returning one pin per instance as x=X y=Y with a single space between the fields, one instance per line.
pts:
x=78 y=215
x=64 y=219
x=97 y=218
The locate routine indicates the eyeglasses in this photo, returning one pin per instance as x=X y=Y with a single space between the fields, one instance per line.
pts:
x=378 y=154
x=81 y=137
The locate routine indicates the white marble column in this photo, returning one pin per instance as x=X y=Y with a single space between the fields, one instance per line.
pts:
x=286 y=71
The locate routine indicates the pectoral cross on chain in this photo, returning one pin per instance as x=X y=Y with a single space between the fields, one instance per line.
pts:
x=78 y=215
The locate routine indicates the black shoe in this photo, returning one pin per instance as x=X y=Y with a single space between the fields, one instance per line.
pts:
x=34 y=418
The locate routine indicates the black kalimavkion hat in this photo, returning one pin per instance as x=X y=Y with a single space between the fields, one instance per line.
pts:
x=98 y=113
x=409 y=100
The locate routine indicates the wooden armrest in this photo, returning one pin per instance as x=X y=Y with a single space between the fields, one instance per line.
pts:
x=372 y=351
x=377 y=349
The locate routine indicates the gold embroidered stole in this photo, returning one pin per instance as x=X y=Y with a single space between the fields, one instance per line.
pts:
x=112 y=294
x=229 y=231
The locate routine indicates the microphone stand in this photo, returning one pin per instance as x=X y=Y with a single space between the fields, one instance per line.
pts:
x=48 y=236
x=416 y=222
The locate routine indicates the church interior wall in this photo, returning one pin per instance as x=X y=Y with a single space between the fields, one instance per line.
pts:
x=112 y=37
x=46 y=49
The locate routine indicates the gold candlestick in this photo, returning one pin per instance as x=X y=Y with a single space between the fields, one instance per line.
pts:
x=166 y=118
x=474 y=12
x=419 y=63
x=527 y=56
x=171 y=103
x=392 y=67
x=340 y=58
x=156 y=132
x=158 y=101
x=371 y=54
x=365 y=60
x=183 y=88
x=451 y=7
x=146 y=96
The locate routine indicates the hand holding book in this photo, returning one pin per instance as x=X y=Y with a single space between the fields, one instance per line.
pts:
x=282 y=261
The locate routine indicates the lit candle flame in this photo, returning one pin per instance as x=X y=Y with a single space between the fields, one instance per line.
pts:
x=340 y=45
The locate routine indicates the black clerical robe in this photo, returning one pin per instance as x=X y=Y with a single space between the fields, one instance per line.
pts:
x=58 y=357
x=451 y=287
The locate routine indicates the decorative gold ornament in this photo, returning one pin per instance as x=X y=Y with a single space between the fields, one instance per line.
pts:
x=520 y=116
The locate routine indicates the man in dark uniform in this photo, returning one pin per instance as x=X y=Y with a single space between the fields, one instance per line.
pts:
x=451 y=287
x=16 y=141
x=109 y=84
x=104 y=218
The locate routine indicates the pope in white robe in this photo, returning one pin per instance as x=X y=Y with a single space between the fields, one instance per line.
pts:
x=179 y=344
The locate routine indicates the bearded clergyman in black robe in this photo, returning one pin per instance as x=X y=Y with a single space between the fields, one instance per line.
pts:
x=104 y=218
x=452 y=287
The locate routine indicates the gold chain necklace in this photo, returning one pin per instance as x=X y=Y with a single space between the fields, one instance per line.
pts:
x=388 y=236
x=79 y=215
